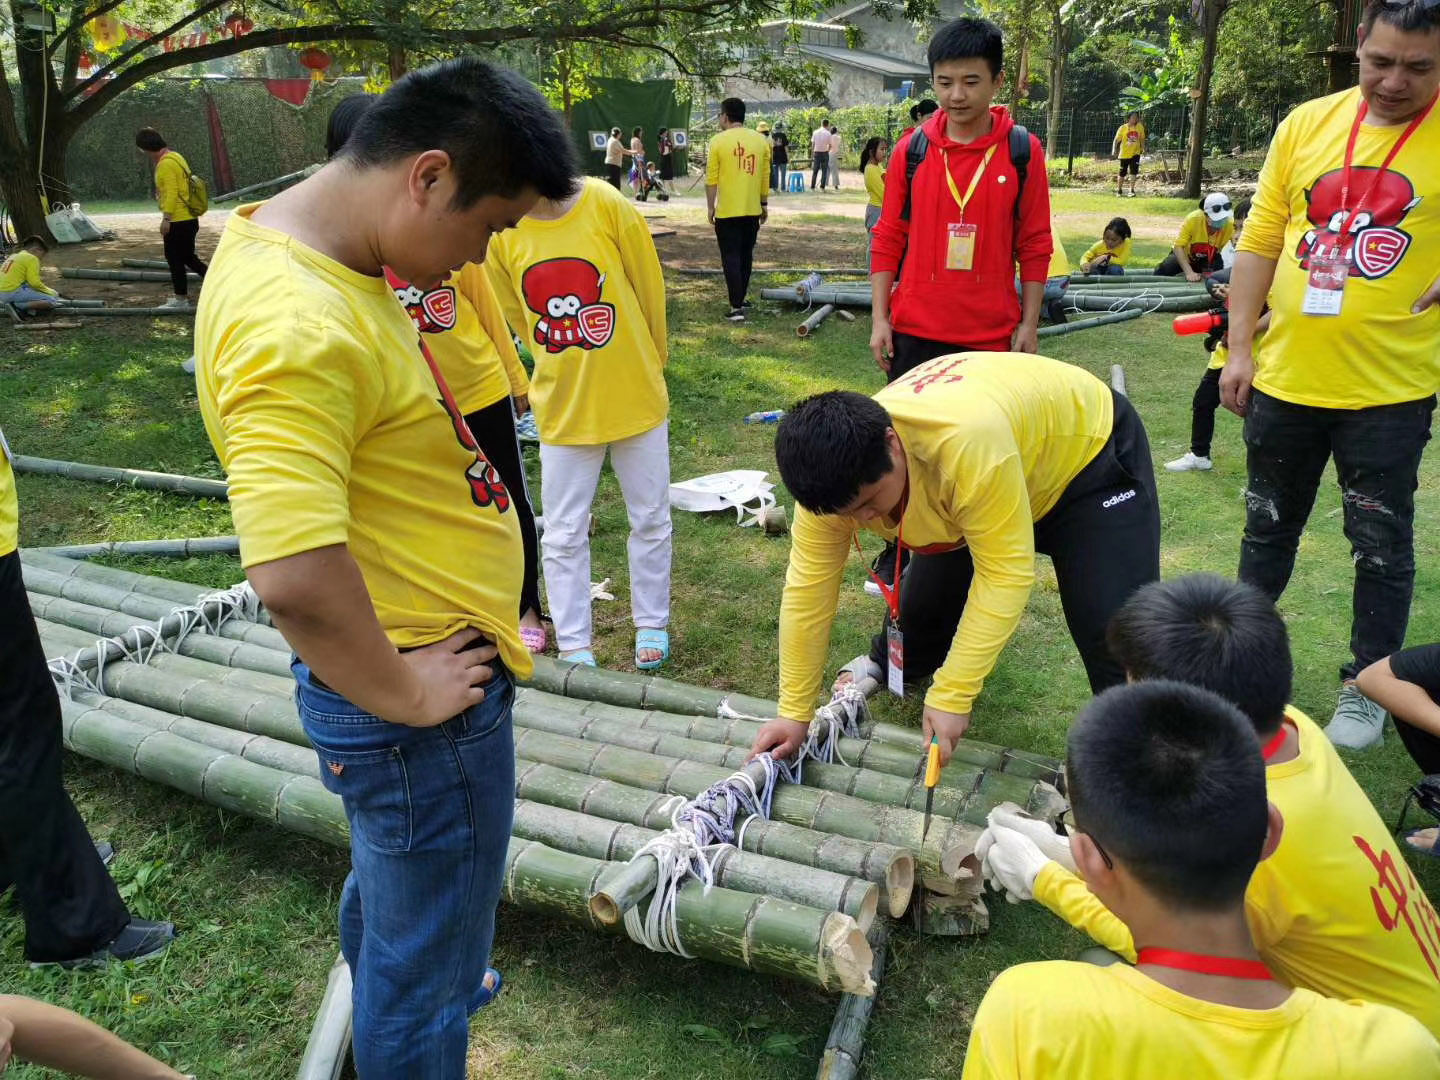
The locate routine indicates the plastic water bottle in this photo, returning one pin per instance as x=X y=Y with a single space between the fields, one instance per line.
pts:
x=769 y=416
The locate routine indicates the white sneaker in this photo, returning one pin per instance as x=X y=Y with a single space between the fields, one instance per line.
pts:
x=1358 y=722
x=188 y=366
x=873 y=588
x=177 y=303
x=1189 y=463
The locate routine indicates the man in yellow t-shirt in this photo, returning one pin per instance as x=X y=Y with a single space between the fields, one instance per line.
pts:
x=737 y=171
x=1128 y=145
x=1334 y=909
x=20 y=283
x=179 y=225
x=1358 y=385
x=1203 y=235
x=973 y=462
x=382 y=543
x=1168 y=820
x=74 y=915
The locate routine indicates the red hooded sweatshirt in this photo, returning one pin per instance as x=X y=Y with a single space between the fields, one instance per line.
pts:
x=976 y=308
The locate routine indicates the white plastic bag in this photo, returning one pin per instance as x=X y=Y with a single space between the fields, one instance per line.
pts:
x=746 y=491
x=71 y=225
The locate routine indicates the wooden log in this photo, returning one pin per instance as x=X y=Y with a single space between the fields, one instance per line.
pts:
x=890 y=867
x=638 y=691
x=140 y=478
x=183 y=548
x=845 y=1044
x=808 y=327
x=89 y=274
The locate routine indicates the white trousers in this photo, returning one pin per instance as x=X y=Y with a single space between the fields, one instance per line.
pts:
x=568 y=475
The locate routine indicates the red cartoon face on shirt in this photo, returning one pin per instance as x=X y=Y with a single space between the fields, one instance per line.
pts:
x=486 y=487
x=432 y=312
x=565 y=293
x=1373 y=244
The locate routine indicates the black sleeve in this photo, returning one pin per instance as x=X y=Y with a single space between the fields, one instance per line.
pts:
x=1421 y=666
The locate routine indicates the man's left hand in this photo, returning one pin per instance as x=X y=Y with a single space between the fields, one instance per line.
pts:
x=1024 y=339
x=522 y=404
x=1428 y=299
x=947 y=727
x=165 y=227
x=764 y=214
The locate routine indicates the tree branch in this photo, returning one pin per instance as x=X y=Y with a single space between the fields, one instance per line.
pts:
x=140 y=46
x=79 y=20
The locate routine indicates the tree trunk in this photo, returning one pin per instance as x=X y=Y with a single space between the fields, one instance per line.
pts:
x=1195 y=158
x=18 y=190
x=1059 y=43
x=398 y=62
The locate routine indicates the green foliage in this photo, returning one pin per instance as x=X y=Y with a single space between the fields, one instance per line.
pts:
x=1169 y=80
x=1288 y=34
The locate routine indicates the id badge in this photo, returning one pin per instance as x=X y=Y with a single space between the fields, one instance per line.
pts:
x=960 y=246
x=895 y=653
x=1325 y=289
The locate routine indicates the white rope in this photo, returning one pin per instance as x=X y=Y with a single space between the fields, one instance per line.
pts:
x=69 y=676
x=839 y=718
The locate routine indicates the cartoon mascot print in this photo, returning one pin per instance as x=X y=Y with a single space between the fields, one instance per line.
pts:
x=565 y=293
x=432 y=312
x=1374 y=243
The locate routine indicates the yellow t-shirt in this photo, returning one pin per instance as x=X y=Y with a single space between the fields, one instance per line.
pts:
x=1335 y=909
x=1197 y=238
x=1119 y=256
x=332 y=430
x=1059 y=261
x=463 y=326
x=586 y=291
x=1063 y=1020
x=875 y=184
x=738 y=161
x=171 y=185
x=1131 y=140
x=9 y=504
x=22 y=268
x=991 y=442
x=1375 y=352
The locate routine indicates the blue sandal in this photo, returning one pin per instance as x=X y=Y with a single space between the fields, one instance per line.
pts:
x=1431 y=851
x=656 y=640
x=491 y=992
x=584 y=657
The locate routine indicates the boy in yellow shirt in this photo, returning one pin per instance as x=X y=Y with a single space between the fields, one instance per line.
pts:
x=381 y=541
x=20 y=283
x=1334 y=908
x=1167 y=820
x=1128 y=145
x=737 y=172
x=580 y=281
x=179 y=225
x=1111 y=252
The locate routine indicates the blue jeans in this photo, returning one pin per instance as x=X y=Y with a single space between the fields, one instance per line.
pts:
x=429 y=812
x=26 y=295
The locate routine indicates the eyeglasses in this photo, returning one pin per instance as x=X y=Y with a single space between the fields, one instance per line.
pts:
x=1226 y=205
x=1065 y=824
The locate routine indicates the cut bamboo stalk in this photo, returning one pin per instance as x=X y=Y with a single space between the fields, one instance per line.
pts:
x=145 y=264
x=123 y=312
x=639 y=691
x=845 y=1044
x=264 y=185
x=182 y=548
x=1075 y=325
x=87 y=274
x=953 y=916
x=281 y=687
x=1199 y=302
x=583 y=834
x=887 y=865
x=329 y=1043
x=987 y=755
x=178 y=592
x=1117 y=379
x=140 y=478
x=808 y=327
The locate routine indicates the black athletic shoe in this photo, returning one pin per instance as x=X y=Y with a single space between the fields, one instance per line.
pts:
x=141 y=940
x=736 y=315
x=1055 y=311
x=106 y=852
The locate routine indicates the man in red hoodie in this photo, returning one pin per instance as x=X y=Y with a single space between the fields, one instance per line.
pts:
x=955 y=254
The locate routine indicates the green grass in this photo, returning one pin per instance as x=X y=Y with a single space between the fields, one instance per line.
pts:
x=256 y=907
x=120 y=206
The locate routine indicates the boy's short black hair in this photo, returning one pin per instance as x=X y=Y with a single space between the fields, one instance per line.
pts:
x=734 y=109
x=830 y=445
x=501 y=136
x=1208 y=631
x=1415 y=17
x=966 y=38
x=33 y=241
x=1167 y=778
x=148 y=139
x=1120 y=227
x=1242 y=208
x=343 y=118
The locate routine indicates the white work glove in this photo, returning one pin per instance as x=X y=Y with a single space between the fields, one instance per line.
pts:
x=1042 y=834
x=1011 y=863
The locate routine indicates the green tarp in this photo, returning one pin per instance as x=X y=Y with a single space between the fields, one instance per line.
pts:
x=628 y=105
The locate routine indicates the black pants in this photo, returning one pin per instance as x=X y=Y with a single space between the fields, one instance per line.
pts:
x=180 y=253
x=911 y=352
x=736 y=237
x=1201 y=264
x=70 y=903
x=1424 y=748
x=1202 y=412
x=494 y=429
x=820 y=166
x=1103 y=537
x=612 y=174
x=1377 y=463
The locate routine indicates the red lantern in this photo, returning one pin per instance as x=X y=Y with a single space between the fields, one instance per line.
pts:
x=317 y=60
x=238 y=24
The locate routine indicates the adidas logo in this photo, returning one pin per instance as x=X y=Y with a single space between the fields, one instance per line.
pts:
x=1116 y=500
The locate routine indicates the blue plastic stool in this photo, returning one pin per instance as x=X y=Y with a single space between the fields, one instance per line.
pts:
x=797 y=181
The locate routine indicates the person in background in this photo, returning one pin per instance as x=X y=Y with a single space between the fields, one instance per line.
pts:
x=919 y=113
x=1111 y=252
x=74 y=915
x=737 y=167
x=1349 y=368
x=614 y=159
x=1167 y=823
x=20 y=283
x=637 y=162
x=779 y=160
x=54 y=1038
x=835 y=148
x=1057 y=277
x=1128 y=145
x=580 y=280
x=872 y=165
x=342 y=121
x=665 y=148
x=1203 y=233
x=1406 y=684
x=654 y=183
x=820 y=154
x=178 y=224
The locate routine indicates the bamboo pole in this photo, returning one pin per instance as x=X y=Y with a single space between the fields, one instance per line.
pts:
x=69 y=302
x=1117 y=379
x=330 y=1035
x=1056 y=329
x=177 y=592
x=89 y=274
x=140 y=478
x=278 y=181
x=130 y=312
x=638 y=691
x=1198 y=302
x=953 y=916
x=145 y=264
x=1021 y=762
x=852 y=296
x=185 y=548
x=808 y=327
x=846 y=1041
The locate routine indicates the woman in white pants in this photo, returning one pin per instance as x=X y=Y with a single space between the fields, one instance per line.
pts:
x=581 y=282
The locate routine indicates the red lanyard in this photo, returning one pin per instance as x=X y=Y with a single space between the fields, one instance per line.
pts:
x=1204 y=965
x=891 y=593
x=1360 y=113
x=1271 y=748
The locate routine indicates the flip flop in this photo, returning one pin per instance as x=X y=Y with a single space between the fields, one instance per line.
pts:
x=1431 y=852
x=534 y=638
x=583 y=657
x=658 y=640
x=491 y=992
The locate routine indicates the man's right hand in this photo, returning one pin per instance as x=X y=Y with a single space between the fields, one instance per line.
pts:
x=1235 y=380
x=781 y=737
x=882 y=342
x=450 y=677
x=1191 y=275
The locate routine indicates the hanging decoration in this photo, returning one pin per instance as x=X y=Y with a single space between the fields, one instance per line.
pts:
x=107 y=32
x=316 y=60
x=238 y=24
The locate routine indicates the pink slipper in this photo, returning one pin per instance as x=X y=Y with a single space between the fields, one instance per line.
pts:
x=534 y=638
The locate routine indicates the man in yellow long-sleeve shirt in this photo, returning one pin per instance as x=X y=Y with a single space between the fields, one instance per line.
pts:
x=1168 y=820
x=1342 y=237
x=974 y=462
x=20 y=283
x=179 y=226
x=1334 y=909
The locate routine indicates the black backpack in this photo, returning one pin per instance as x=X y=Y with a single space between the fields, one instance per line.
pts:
x=919 y=146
